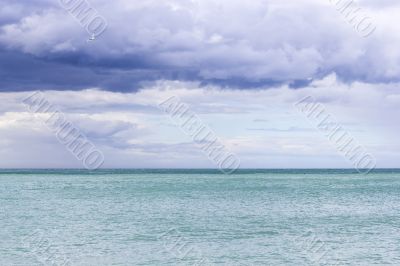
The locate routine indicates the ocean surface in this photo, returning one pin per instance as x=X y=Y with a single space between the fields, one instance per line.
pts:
x=199 y=217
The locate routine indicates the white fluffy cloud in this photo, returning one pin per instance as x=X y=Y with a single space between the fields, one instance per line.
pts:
x=235 y=63
x=261 y=126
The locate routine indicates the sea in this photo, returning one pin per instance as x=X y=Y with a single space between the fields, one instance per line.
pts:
x=199 y=217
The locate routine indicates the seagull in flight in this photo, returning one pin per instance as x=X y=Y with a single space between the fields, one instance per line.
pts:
x=92 y=38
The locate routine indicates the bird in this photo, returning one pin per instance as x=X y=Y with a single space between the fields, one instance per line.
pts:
x=92 y=38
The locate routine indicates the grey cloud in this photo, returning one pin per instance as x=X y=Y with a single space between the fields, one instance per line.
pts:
x=291 y=129
x=233 y=43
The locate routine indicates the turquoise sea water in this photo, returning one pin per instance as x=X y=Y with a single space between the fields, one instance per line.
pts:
x=199 y=217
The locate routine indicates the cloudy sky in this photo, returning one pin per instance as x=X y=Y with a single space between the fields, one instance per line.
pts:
x=239 y=65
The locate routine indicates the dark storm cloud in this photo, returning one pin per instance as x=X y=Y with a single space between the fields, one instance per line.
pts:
x=20 y=71
x=228 y=43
